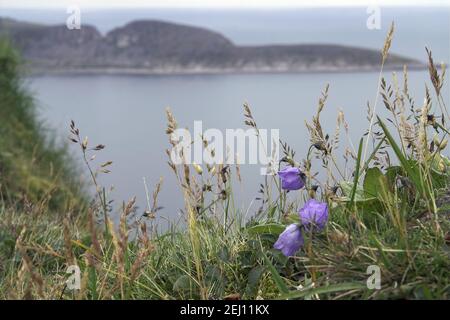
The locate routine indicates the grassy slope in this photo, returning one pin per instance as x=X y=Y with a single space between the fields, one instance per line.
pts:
x=32 y=169
x=36 y=178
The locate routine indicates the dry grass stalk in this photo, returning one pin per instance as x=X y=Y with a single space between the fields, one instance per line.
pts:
x=384 y=56
x=87 y=159
x=70 y=259
x=387 y=43
x=438 y=82
x=27 y=270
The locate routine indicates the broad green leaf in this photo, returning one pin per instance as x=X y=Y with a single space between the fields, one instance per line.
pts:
x=271 y=228
x=254 y=277
x=401 y=157
x=374 y=182
x=411 y=168
x=372 y=155
x=215 y=280
x=391 y=174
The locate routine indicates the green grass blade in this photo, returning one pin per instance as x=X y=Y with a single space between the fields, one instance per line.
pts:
x=356 y=177
x=413 y=174
x=275 y=275
x=324 y=290
x=372 y=155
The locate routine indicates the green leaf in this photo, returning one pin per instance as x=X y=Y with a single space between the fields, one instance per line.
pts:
x=215 y=280
x=439 y=177
x=275 y=276
x=254 y=277
x=271 y=212
x=356 y=177
x=347 y=189
x=374 y=182
x=271 y=228
x=246 y=258
x=92 y=283
x=411 y=168
x=184 y=284
x=372 y=155
x=291 y=218
x=391 y=174
x=403 y=161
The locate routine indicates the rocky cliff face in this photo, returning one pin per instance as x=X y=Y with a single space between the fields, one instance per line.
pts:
x=161 y=47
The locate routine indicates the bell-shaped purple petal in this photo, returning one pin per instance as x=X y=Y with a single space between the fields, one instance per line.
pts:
x=290 y=240
x=291 y=178
x=314 y=214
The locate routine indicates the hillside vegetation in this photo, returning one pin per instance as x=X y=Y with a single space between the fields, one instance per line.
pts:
x=34 y=171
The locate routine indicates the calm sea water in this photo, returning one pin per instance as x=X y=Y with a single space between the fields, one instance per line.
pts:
x=126 y=113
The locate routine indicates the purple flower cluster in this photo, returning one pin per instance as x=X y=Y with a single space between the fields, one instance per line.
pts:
x=313 y=215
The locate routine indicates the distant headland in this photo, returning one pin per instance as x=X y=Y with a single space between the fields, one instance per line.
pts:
x=157 y=47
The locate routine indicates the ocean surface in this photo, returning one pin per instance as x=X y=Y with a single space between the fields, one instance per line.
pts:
x=126 y=113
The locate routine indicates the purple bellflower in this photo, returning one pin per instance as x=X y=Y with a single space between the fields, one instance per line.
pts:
x=313 y=217
x=314 y=214
x=290 y=240
x=291 y=178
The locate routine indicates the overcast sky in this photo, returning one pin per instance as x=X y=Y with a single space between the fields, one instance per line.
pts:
x=210 y=3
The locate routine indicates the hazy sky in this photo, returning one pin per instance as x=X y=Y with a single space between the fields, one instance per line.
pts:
x=211 y=3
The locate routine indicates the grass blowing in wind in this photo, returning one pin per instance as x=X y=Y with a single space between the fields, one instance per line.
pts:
x=313 y=236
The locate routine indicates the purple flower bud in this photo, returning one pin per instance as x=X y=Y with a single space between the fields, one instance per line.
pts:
x=291 y=178
x=290 y=240
x=315 y=214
